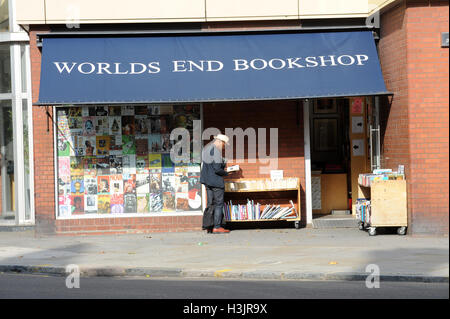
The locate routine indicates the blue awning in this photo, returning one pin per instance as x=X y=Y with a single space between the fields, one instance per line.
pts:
x=202 y=68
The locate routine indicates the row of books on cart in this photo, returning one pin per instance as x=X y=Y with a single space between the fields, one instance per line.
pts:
x=262 y=184
x=252 y=211
x=363 y=210
x=366 y=180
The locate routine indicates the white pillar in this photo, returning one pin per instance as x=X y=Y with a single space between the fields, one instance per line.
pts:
x=307 y=150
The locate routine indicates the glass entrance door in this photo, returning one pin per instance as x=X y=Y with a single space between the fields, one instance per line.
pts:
x=7 y=200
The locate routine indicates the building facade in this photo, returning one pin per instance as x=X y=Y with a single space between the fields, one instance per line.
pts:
x=315 y=135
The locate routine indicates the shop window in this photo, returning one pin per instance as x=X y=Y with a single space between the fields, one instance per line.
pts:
x=116 y=160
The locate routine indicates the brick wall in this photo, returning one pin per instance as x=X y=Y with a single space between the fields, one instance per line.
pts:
x=416 y=124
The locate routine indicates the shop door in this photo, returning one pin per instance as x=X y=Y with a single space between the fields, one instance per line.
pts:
x=7 y=201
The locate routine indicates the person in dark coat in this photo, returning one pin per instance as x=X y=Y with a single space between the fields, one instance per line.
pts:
x=212 y=173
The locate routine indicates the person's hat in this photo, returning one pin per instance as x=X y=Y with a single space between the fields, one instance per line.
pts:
x=222 y=138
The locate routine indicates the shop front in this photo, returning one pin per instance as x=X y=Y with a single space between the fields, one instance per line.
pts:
x=130 y=115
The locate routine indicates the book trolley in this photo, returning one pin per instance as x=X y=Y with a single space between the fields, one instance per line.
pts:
x=382 y=202
x=262 y=200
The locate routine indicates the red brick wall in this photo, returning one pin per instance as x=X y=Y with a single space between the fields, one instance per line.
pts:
x=417 y=129
x=287 y=116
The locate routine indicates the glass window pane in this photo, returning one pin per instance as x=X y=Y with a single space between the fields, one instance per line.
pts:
x=6 y=160
x=4 y=15
x=27 y=160
x=5 y=68
x=23 y=58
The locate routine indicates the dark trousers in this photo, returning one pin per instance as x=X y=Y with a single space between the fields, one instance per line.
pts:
x=215 y=199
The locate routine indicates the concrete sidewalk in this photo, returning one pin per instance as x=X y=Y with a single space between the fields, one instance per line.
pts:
x=313 y=254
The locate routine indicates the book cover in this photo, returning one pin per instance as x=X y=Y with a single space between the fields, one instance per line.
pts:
x=64 y=166
x=88 y=126
x=154 y=143
x=142 y=183
x=101 y=125
x=90 y=143
x=182 y=202
x=129 y=164
x=154 y=161
x=115 y=110
x=129 y=184
x=90 y=185
x=63 y=147
x=115 y=125
x=167 y=165
x=64 y=210
x=104 y=204
x=155 y=125
x=143 y=203
x=130 y=203
x=128 y=127
x=117 y=203
x=103 y=185
x=77 y=202
x=128 y=145
x=116 y=182
x=77 y=144
x=140 y=110
x=127 y=110
x=142 y=164
x=102 y=145
x=90 y=204
x=194 y=190
x=168 y=202
x=90 y=166
x=155 y=203
x=155 y=181
x=168 y=182
x=142 y=145
x=115 y=144
x=76 y=165
x=166 y=143
x=153 y=110
x=141 y=124
x=103 y=165
x=115 y=164
x=101 y=111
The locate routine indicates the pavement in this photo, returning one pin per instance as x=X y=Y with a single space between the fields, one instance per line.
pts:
x=275 y=254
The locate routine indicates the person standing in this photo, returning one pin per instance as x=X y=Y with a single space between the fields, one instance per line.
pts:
x=212 y=173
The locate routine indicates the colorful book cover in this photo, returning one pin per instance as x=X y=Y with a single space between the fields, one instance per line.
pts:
x=76 y=165
x=194 y=188
x=167 y=165
x=129 y=164
x=115 y=125
x=77 y=202
x=142 y=183
x=103 y=165
x=64 y=166
x=75 y=111
x=142 y=165
x=63 y=147
x=154 y=143
x=90 y=166
x=141 y=145
x=115 y=164
x=103 y=184
x=155 y=181
x=64 y=200
x=90 y=143
x=182 y=202
x=90 y=204
x=154 y=161
x=117 y=204
x=128 y=125
x=156 y=203
x=104 y=204
x=101 y=125
x=64 y=185
x=88 y=126
x=166 y=143
x=143 y=203
x=129 y=184
x=116 y=182
x=141 y=124
x=77 y=144
x=90 y=185
x=130 y=203
x=168 y=202
x=103 y=144
x=141 y=110
x=128 y=144
x=115 y=144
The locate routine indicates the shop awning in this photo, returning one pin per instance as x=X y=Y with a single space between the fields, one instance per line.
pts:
x=196 y=68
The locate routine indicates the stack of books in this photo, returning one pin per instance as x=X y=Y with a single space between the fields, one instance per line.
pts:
x=252 y=211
